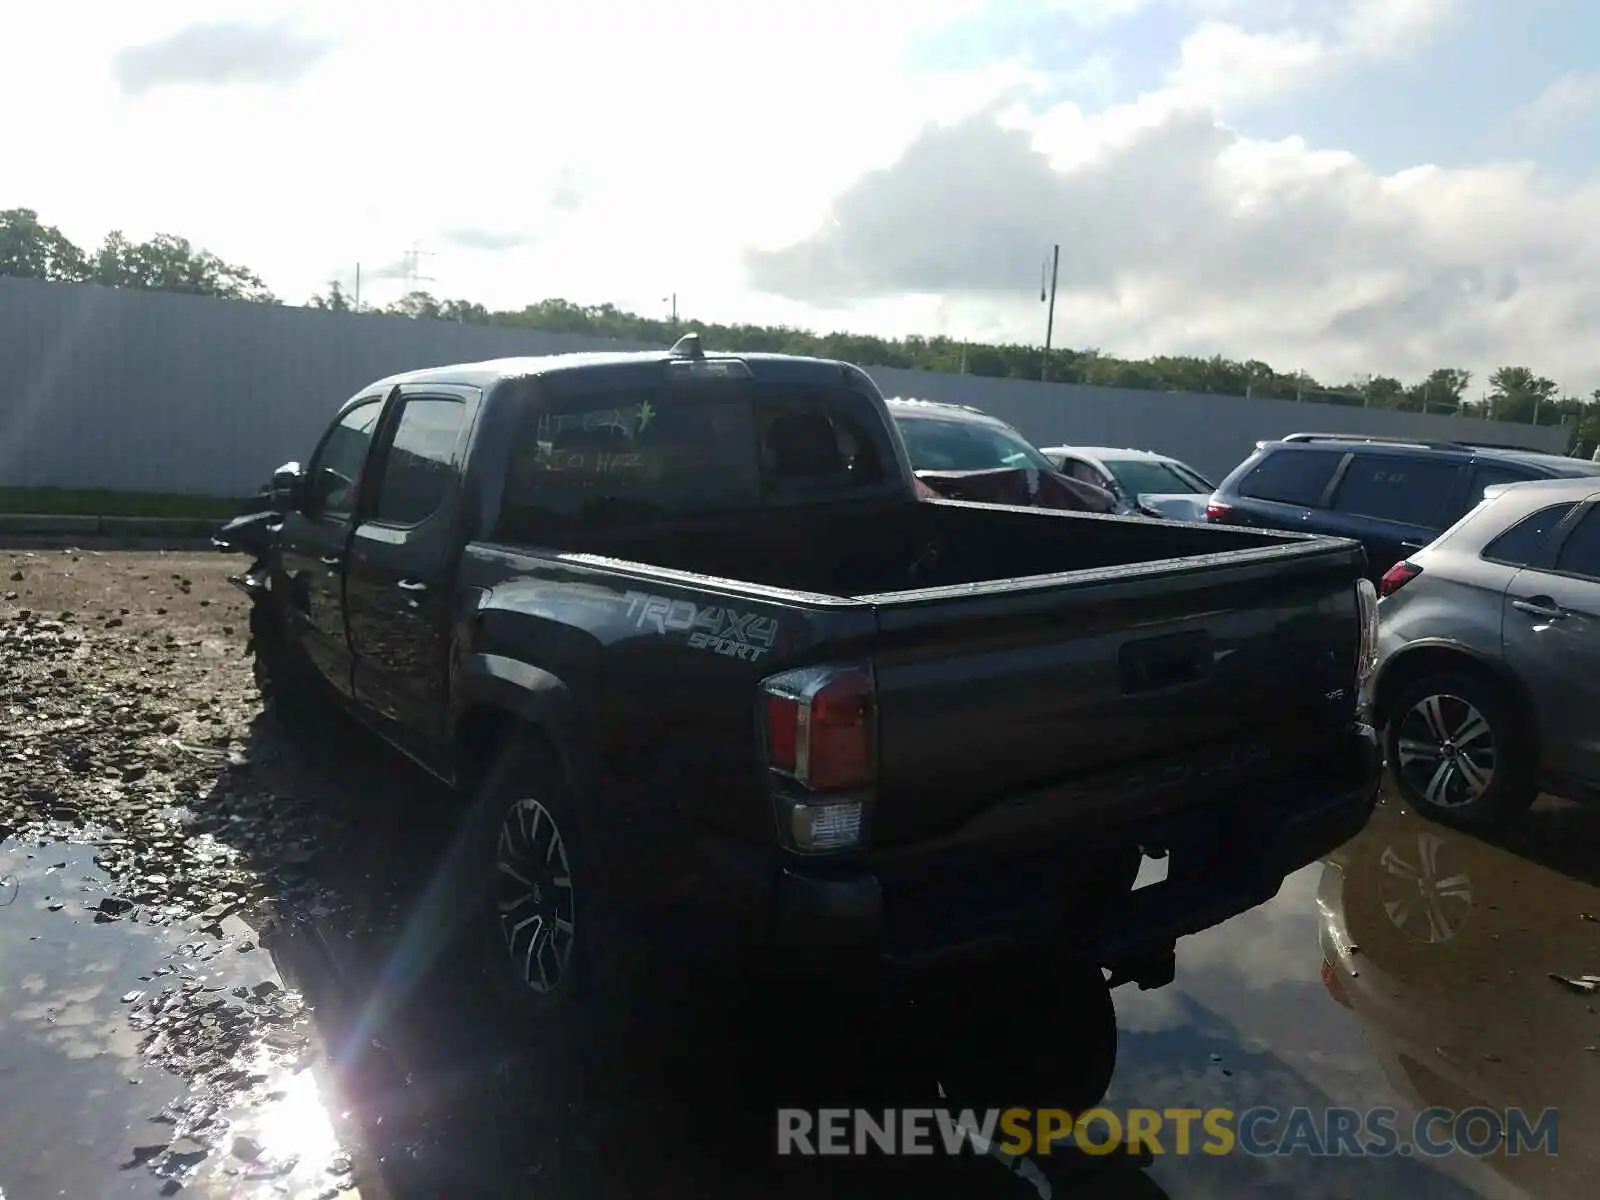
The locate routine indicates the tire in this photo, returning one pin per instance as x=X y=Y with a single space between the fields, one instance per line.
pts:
x=287 y=683
x=532 y=916
x=1457 y=752
x=1044 y=1035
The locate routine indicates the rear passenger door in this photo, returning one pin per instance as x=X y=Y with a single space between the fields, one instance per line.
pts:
x=397 y=598
x=1551 y=633
x=1393 y=504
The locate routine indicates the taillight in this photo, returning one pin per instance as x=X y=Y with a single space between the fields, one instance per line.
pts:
x=923 y=490
x=1396 y=577
x=817 y=723
x=1219 y=512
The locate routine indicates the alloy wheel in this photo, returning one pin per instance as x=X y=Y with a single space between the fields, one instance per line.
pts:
x=1447 y=751
x=533 y=895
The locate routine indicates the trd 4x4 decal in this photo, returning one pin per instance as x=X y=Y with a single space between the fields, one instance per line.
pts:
x=743 y=635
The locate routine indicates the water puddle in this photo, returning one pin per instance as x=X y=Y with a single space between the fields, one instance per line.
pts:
x=143 y=1059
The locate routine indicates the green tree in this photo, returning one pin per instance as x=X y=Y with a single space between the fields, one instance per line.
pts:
x=1517 y=394
x=1384 y=391
x=420 y=305
x=1441 y=392
x=30 y=249
x=167 y=263
x=334 y=301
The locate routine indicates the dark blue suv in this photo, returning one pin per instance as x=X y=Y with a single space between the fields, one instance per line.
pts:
x=1390 y=495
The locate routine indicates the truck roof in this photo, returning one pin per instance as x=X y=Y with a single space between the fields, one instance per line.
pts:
x=495 y=370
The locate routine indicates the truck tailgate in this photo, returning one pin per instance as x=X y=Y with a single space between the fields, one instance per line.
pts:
x=1149 y=684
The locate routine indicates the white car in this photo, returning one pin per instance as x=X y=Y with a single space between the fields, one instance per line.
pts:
x=1153 y=482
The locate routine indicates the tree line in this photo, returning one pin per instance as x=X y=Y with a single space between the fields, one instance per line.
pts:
x=32 y=249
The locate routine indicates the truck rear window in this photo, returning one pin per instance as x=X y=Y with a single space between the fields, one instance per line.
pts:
x=680 y=450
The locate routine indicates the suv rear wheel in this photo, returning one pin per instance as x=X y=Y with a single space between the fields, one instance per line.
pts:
x=1456 y=751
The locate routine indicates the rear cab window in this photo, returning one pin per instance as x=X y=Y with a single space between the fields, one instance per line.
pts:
x=1295 y=477
x=1392 y=487
x=672 y=450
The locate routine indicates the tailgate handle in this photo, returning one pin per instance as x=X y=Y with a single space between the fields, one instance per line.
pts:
x=1155 y=663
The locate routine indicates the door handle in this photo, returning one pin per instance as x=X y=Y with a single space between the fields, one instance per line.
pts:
x=411 y=585
x=330 y=560
x=1540 y=606
x=1413 y=545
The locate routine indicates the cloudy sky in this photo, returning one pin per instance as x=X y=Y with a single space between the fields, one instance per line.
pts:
x=1335 y=185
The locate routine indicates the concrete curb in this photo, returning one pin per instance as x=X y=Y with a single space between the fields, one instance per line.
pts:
x=53 y=525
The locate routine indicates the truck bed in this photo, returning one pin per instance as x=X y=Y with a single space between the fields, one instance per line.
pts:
x=1054 y=666
x=853 y=551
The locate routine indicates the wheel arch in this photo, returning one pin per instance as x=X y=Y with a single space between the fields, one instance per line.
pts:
x=499 y=698
x=1432 y=656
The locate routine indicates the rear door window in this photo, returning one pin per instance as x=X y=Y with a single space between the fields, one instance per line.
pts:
x=1580 y=553
x=420 y=462
x=1521 y=544
x=1291 y=476
x=1392 y=487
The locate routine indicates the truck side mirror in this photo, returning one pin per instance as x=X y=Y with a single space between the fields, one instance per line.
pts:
x=288 y=488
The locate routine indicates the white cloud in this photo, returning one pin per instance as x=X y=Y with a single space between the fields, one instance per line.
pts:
x=1225 y=65
x=620 y=152
x=628 y=148
x=1569 y=98
x=1228 y=66
x=1181 y=235
x=1096 y=13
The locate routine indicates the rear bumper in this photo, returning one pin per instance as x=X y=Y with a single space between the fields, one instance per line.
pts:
x=918 y=910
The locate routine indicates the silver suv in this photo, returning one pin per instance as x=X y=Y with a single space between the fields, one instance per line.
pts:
x=1488 y=683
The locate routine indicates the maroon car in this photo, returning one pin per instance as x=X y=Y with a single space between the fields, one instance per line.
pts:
x=961 y=453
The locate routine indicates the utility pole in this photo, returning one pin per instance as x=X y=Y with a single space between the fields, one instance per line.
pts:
x=358 y=287
x=413 y=261
x=1050 y=318
x=673 y=300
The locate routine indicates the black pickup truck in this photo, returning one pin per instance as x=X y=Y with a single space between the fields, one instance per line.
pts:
x=713 y=679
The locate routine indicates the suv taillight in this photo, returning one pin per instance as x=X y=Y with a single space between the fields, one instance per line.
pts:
x=1396 y=577
x=818 y=727
x=1219 y=512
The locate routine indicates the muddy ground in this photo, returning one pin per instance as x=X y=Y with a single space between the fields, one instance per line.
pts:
x=233 y=923
x=218 y=975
